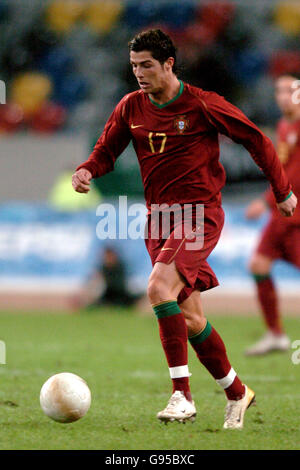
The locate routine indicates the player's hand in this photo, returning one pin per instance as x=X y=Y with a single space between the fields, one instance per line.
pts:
x=81 y=180
x=287 y=208
x=255 y=209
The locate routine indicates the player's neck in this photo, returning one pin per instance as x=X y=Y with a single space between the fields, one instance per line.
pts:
x=168 y=93
x=292 y=117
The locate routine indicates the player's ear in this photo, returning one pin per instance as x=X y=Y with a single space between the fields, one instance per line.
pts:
x=170 y=62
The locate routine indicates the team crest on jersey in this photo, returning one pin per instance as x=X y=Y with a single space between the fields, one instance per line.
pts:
x=181 y=123
x=292 y=138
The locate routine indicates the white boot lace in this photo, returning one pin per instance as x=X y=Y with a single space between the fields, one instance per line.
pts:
x=174 y=400
x=232 y=415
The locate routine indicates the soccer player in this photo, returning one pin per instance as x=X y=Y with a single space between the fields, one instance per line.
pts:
x=280 y=238
x=174 y=128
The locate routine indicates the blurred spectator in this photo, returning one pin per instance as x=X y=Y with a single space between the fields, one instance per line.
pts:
x=112 y=272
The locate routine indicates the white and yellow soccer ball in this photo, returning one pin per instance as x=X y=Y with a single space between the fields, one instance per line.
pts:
x=65 y=397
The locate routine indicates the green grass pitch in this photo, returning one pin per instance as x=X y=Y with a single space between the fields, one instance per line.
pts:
x=118 y=353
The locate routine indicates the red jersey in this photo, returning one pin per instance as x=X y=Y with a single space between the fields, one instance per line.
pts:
x=177 y=145
x=288 y=149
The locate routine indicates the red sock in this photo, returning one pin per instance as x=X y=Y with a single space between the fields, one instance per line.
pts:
x=211 y=352
x=173 y=335
x=268 y=301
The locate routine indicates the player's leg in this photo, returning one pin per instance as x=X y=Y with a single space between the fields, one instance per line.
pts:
x=209 y=347
x=176 y=265
x=165 y=283
x=260 y=267
x=211 y=352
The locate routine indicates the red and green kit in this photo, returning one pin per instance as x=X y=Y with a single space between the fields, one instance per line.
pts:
x=280 y=237
x=177 y=147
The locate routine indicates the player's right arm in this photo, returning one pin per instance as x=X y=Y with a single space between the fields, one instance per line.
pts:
x=81 y=180
x=112 y=142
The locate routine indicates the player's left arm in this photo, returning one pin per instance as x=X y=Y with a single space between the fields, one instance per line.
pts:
x=288 y=206
x=231 y=121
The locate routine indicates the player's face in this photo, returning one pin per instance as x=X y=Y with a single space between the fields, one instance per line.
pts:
x=151 y=75
x=284 y=95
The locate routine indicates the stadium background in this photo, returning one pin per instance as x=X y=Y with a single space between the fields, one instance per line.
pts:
x=65 y=66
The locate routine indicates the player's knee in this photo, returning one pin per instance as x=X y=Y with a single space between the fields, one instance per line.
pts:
x=157 y=291
x=252 y=266
x=258 y=265
x=194 y=322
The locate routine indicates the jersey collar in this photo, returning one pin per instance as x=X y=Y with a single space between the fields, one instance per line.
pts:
x=160 y=106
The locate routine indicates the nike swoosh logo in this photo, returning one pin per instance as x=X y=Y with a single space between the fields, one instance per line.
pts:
x=164 y=249
x=134 y=127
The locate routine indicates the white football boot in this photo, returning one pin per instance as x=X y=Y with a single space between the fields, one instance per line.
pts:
x=178 y=409
x=269 y=342
x=235 y=410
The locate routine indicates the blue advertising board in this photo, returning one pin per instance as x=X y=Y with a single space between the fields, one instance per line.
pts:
x=40 y=246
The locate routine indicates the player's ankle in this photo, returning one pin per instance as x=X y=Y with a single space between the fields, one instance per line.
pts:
x=236 y=391
x=188 y=396
x=186 y=393
x=276 y=331
x=236 y=396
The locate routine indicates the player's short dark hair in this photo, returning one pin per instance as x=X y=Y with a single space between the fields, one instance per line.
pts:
x=295 y=75
x=157 y=42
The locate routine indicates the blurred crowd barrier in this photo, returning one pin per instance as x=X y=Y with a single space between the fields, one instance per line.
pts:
x=35 y=163
x=48 y=257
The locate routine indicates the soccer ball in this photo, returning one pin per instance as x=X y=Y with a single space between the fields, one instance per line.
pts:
x=65 y=397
